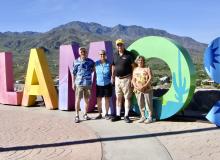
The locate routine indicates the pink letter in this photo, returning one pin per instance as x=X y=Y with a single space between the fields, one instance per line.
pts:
x=7 y=94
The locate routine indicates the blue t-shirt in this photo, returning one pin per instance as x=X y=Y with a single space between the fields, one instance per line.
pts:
x=103 y=73
x=82 y=70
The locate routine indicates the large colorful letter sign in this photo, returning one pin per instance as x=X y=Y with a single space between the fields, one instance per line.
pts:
x=182 y=69
x=39 y=82
x=212 y=67
x=7 y=94
x=94 y=49
x=68 y=53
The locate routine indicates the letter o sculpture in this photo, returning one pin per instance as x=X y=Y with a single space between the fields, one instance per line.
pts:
x=182 y=70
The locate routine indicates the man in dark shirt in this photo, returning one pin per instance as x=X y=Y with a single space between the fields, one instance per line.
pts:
x=122 y=67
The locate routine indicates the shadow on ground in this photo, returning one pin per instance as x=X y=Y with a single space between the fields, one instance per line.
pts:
x=119 y=138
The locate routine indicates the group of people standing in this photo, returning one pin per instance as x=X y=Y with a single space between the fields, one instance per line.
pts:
x=127 y=75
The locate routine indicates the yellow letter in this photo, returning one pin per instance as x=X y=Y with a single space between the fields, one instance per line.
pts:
x=39 y=82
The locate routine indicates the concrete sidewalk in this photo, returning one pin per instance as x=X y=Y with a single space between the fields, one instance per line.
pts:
x=38 y=133
x=122 y=141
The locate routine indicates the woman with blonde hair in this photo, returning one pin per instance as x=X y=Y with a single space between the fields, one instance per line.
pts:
x=141 y=80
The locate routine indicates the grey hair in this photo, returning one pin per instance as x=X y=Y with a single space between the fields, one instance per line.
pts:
x=102 y=51
x=82 y=48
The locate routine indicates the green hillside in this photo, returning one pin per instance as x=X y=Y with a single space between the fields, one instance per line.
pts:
x=84 y=33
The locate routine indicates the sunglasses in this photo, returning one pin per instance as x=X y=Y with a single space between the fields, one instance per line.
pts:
x=120 y=44
x=82 y=51
x=102 y=54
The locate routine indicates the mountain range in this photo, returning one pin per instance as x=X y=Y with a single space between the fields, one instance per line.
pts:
x=83 y=33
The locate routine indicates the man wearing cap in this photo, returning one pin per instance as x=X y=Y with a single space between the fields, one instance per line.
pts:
x=82 y=81
x=122 y=67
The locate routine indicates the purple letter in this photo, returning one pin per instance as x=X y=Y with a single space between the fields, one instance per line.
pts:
x=94 y=50
x=68 y=53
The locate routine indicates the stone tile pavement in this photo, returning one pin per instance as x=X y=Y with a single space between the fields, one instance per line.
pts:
x=37 y=133
x=194 y=140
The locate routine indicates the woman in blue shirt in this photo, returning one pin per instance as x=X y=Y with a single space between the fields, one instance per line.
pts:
x=103 y=83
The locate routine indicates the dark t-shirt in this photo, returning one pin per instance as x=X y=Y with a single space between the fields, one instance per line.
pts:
x=123 y=64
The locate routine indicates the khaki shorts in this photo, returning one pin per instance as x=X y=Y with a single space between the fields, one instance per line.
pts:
x=83 y=91
x=123 y=87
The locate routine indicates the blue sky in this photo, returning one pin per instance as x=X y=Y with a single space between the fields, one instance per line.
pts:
x=198 y=19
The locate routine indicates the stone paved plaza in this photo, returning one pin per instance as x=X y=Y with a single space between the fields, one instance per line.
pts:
x=37 y=133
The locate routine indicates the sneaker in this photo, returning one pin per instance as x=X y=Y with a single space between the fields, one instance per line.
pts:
x=115 y=118
x=111 y=117
x=77 y=119
x=107 y=117
x=141 y=120
x=99 y=117
x=148 y=120
x=127 y=119
x=86 y=117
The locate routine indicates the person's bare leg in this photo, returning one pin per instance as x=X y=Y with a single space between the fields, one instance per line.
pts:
x=99 y=106
x=86 y=117
x=107 y=104
x=77 y=106
x=86 y=105
x=118 y=105
x=127 y=106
